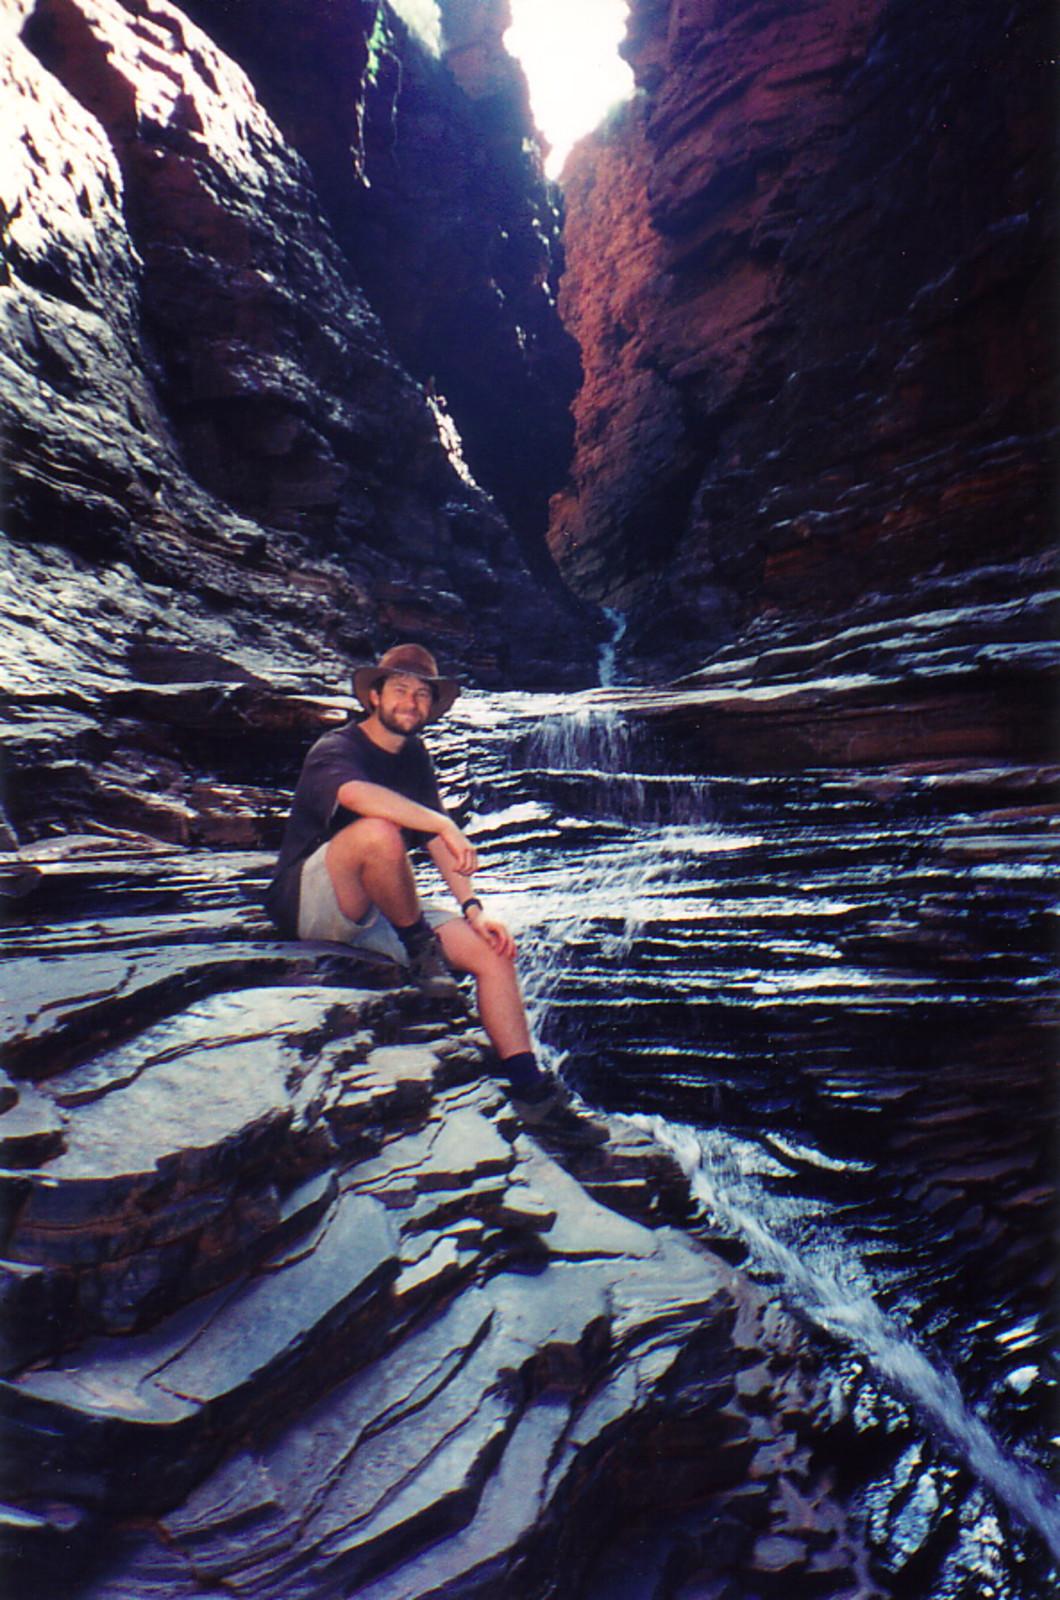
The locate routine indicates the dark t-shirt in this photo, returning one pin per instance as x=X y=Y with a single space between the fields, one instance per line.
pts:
x=339 y=757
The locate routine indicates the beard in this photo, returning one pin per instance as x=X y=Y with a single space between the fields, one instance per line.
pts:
x=403 y=723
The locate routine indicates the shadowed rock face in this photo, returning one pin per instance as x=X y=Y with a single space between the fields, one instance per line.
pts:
x=458 y=246
x=817 y=355
x=194 y=383
x=429 y=168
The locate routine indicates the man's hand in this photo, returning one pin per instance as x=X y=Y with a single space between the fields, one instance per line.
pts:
x=465 y=857
x=495 y=934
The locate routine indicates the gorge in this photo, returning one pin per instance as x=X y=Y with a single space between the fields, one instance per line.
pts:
x=302 y=355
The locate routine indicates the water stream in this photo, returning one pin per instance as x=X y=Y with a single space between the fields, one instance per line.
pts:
x=770 y=974
x=839 y=1303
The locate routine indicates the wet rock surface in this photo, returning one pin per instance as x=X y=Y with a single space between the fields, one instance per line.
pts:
x=832 y=991
x=294 y=1305
x=857 y=987
x=291 y=1302
x=971 y=675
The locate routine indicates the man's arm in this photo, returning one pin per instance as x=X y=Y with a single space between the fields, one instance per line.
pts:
x=495 y=934
x=374 y=800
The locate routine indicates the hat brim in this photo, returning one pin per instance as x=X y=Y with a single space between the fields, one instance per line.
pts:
x=445 y=690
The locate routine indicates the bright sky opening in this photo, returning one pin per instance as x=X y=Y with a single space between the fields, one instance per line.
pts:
x=569 y=52
x=423 y=18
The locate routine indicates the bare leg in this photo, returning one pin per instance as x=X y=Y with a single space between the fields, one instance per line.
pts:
x=500 y=1002
x=368 y=865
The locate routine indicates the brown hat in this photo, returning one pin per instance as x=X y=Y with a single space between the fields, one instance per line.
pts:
x=415 y=660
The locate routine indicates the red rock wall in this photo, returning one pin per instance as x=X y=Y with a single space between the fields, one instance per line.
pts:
x=823 y=371
x=193 y=382
x=634 y=455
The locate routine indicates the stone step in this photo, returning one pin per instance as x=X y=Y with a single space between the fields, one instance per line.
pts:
x=1005 y=600
x=426 y=1475
x=149 y=1409
x=57 y=1012
x=191 y=1152
x=142 y=1418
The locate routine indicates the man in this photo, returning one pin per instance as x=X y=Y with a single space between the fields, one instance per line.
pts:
x=367 y=793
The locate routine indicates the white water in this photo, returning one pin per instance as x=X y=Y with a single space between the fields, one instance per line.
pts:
x=609 y=652
x=608 y=900
x=855 y=1319
x=595 y=745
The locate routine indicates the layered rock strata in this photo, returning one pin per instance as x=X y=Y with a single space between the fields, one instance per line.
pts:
x=294 y=1305
x=823 y=954
x=809 y=267
x=194 y=386
x=972 y=677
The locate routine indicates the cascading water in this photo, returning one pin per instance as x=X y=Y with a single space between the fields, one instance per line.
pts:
x=848 y=1311
x=609 y=653
x=694 y=955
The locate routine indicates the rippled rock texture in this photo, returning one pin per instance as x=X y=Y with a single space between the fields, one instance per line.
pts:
x=809 y=268
x=291 y=1304
x=294 y=1307
x=194 y=384
x=835 y=986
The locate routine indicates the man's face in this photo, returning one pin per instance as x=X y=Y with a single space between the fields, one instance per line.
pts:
x=403 y=704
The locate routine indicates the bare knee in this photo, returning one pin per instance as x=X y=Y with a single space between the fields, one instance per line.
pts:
x=468 y=953
x=491 y=966
x=367 y=839
x=381 y=838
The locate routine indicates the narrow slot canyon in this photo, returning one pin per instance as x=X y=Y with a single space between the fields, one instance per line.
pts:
x=708 y=443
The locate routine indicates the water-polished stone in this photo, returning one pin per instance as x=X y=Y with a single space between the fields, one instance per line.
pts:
x=31 y=1131
x=141 y=1417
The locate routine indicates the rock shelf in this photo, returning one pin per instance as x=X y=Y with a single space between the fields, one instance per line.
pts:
x=294 y=1305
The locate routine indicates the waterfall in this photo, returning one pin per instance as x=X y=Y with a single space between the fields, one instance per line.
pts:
x=592 y=760
x=584 y=754
x=607 y=901
x=854 y=1318
x=609 y=651
x=586 y=738
x=704 y=950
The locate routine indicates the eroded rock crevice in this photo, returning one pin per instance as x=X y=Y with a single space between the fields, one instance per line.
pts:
x=428 y=165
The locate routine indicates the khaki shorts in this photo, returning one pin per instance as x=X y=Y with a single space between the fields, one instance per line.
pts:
x=319 y=916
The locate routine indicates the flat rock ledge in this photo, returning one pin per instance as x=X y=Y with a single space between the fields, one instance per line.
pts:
x=294 y=1306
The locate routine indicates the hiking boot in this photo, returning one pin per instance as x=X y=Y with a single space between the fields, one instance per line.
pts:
x=430 y=971
x=549 y=1110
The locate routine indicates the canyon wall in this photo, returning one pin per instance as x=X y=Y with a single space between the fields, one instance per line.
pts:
x=217 y=465
x=194 y=375
x=293 y=1303
x=428 y=165
x=808 y=266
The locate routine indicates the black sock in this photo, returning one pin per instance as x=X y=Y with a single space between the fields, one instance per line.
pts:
x=522 y=1071
x=415 y=933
